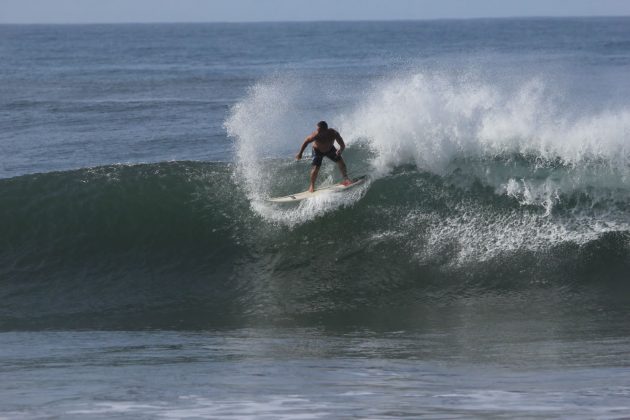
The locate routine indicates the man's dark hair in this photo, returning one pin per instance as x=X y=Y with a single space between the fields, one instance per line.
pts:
x=323 y=125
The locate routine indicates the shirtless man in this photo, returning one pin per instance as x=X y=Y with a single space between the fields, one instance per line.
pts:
x=324 y=145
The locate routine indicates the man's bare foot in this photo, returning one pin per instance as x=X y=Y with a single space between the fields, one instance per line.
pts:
x=346 y=182
x=311 y=189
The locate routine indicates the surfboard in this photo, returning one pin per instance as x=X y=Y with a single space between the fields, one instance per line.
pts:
x=337 y=188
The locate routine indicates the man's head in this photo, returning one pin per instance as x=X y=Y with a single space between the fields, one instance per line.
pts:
x=322 y=125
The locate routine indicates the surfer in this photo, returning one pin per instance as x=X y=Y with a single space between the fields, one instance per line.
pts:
x=324 y=145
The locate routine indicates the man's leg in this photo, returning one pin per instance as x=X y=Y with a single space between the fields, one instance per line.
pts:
x=314 y=172
x=342 y=168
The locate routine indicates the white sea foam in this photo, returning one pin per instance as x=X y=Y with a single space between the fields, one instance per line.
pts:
x=193 y=406
x=479 y=235
x=431 y=121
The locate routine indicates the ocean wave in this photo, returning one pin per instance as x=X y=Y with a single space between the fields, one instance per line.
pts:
x=181 y=244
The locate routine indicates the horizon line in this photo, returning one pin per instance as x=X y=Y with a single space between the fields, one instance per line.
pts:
x=184 y=22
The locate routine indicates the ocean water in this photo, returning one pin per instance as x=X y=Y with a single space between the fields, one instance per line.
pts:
x=483 y=271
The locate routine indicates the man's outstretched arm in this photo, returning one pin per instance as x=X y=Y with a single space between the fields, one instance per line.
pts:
x=308 y=140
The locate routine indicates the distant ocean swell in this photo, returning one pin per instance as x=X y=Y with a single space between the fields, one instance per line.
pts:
x=183 y=244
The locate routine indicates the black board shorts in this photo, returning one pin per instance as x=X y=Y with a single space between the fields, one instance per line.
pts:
x=319 y=156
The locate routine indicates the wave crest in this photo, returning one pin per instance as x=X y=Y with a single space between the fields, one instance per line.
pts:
x=441 y=124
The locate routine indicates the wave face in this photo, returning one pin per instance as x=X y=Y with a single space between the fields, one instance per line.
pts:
x=184 y=245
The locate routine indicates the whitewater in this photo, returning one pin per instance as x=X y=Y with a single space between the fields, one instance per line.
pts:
x=564 y=173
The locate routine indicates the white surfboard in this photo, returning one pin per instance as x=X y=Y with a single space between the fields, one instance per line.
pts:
x=326 y=190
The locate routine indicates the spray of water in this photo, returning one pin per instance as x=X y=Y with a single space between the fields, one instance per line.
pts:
x=438 y=123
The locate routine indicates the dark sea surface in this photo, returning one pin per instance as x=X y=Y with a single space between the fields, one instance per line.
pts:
x=483 y=271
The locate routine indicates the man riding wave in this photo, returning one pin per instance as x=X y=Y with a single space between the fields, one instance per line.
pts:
x=323 y=140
